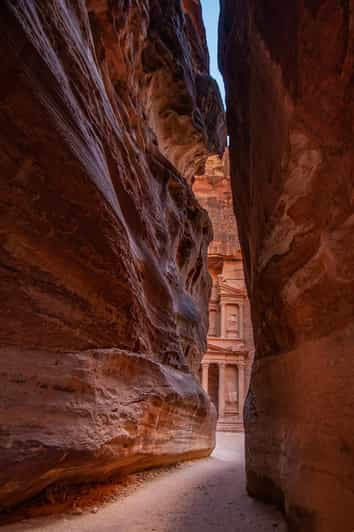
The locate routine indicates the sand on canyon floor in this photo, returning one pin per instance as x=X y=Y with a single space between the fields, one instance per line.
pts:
x=200 y=496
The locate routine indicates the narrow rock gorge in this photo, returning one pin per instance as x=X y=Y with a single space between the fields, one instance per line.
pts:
x=288 y=68
x=107 y=110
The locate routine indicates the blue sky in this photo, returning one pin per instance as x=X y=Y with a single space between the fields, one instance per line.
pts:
x=211 y=9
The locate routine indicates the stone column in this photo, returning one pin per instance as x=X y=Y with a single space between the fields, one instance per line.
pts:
x=241 y=387
x=221 y=390
x=241 y=320
x=222 y=320
x=205 y=376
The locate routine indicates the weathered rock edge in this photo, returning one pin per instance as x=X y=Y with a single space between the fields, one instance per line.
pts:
x=88 y=415
x=288 y=68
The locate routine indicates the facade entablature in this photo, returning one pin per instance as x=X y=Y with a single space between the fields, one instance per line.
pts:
x=224 y=343
x=227 y=358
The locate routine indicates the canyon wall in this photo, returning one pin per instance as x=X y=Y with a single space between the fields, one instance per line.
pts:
x=107 y=110
x=288 y=68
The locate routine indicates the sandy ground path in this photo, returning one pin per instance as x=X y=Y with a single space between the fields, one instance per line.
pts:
x=201 y=496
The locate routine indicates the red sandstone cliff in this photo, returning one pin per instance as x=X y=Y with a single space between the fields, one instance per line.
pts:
x=106 y=110
x=288 y=69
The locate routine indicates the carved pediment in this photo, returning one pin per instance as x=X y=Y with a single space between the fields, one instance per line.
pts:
x=216 y=348
x=225 y=289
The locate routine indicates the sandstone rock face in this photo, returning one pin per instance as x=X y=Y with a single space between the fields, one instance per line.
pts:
x=288 y=68
x=105 y=113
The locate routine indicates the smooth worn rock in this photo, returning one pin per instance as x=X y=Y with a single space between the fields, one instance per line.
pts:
x=103 y=255
x=288 y=68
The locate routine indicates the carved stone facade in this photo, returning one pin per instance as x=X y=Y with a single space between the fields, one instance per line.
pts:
x=226 y=366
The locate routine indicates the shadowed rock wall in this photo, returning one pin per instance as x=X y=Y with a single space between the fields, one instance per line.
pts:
x=288 y=68
x=105 y=114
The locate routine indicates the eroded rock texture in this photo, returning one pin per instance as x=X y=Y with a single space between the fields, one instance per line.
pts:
x=106 y=110
x=289 y=74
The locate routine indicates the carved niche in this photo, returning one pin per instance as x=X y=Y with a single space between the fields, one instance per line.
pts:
x=231 y=390
x=213 y=324
x=232 y=321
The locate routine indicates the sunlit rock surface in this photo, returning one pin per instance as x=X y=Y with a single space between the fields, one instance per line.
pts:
x=105 y=114
x=288 y=68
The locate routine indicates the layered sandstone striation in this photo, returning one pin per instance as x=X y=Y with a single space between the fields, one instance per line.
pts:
x=288 y=68
x=105 y=114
